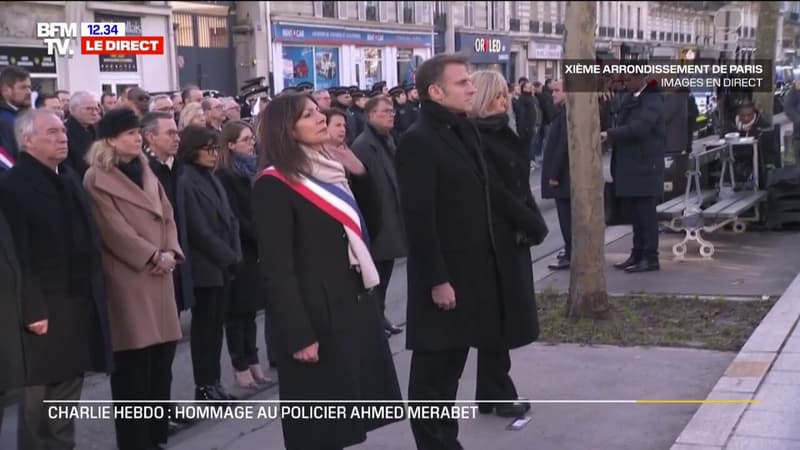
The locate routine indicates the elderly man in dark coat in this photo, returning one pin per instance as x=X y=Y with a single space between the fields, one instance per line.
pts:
x=637 y=167
x=375 y=148
x=64 y=303
x=12 y=371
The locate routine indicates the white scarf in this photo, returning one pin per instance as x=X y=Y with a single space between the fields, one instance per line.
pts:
x=330 y=171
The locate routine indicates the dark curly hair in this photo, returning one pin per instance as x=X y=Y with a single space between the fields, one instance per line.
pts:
x=194 y=137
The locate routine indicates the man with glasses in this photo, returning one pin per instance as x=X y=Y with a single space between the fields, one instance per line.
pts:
x=215 y=113
x=375 y=147
x=84 y=115
x=161 y=103
x=233 y=111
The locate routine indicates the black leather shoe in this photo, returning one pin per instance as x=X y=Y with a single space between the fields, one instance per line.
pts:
x=516 y=409
x=631 y=261
x=561 y=264
x=643 y=266
x=561 y=254
x=207 y=393
x=390 y=327
x=223 y=394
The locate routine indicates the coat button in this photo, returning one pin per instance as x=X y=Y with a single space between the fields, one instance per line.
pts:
x=344 y=235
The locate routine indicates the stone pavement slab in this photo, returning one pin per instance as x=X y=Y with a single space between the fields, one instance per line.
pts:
x=748 y=264
x=543 y=372
x=766 y=370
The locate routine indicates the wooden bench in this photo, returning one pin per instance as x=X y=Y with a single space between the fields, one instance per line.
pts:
x=735 y=205
x=677 y=205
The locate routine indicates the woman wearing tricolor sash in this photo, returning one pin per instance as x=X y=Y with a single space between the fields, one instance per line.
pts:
x=314 y=211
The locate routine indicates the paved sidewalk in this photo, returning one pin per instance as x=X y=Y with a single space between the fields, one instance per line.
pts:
x=766 y=370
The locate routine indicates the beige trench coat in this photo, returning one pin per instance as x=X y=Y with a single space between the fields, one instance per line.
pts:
x=134 y=224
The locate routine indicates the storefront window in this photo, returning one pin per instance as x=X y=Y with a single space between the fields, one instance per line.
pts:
x=317 y=65
x=407 y=65
x=373 y=66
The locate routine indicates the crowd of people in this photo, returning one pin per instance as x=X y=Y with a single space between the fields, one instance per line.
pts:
x=119 y=214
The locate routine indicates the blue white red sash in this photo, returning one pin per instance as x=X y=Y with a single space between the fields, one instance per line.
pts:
x=342 y=207
x=6 y=160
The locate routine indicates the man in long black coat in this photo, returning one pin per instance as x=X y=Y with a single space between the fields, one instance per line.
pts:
x=64 y=304
x=12 y=371
x=555 y=174
x=453 y=292
x=637 y=167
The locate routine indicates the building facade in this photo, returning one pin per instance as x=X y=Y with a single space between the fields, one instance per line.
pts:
x=20 y=46
x=348 y=43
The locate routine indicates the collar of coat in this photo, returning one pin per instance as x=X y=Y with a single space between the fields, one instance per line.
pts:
x=116 y=184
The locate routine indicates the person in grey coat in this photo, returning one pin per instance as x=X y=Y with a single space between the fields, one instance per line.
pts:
x=637 y=167
x=676 y=112
x=791 y=107
x=375 y=147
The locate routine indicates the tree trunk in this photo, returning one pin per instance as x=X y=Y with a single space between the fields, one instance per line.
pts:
x=587 y=287
x=767 y=36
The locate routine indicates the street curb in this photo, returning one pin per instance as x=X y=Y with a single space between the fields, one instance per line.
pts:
x=713 y=425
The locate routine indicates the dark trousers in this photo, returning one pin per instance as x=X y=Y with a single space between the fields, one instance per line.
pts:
x=385 y=269
x=36 y=431
x=642 y=213
x=435 y=376
x=208 y=321
x=494 y=382
x=564 y=211
x=240 y=333
x=144 y=374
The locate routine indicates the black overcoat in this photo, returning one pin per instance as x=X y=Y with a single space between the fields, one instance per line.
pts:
x=555 y=160
x=79 y=140
x=44 y=210
x=247 y=295
x=213 y=229
x=314 y=295
x=445 y=194
x=514 y=214
x=378 y=158
x=12 y=370
x=170 y=179
x=639 y=140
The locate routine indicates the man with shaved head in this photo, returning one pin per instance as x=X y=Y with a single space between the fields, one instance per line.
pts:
x=139 y=100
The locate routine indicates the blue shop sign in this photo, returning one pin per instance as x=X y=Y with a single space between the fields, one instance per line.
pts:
x=338 y=36
x=484 y=48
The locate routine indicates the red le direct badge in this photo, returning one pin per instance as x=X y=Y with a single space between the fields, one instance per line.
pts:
x=122 y=45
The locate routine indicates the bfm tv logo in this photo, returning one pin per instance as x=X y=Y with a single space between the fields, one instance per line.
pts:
x=96 y=39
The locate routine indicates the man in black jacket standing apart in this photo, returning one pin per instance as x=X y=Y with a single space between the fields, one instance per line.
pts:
x=453 y=301
x=637 y=166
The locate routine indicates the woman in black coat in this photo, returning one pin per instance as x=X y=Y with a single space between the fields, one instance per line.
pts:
x=215 y=250
x=319 y=274
x=517 y=225
x=236 y=171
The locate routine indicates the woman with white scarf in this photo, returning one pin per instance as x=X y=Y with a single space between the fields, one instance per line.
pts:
x=314 y=210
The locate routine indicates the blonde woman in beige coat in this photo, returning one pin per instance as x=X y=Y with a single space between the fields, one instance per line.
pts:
x=140 y=251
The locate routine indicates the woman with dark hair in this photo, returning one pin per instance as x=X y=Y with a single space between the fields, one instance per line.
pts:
x=236 y=170
x=316 y=265
x=216 y=253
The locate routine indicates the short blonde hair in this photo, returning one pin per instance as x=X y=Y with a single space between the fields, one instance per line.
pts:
x=103 y=156
x=490 y=85
x=188 y=113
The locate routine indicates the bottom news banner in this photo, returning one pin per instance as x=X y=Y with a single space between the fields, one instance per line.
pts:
x=255 y=410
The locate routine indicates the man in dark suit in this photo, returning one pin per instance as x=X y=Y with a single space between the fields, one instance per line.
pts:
x=12 y=371
x=453 y=298
x=64 y=304
x=84 y=115
x=375 y=148
x=555 y=174
x=637 y=167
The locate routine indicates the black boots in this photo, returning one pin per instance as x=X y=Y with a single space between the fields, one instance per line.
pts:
x=214 y=392
x=636 y=263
